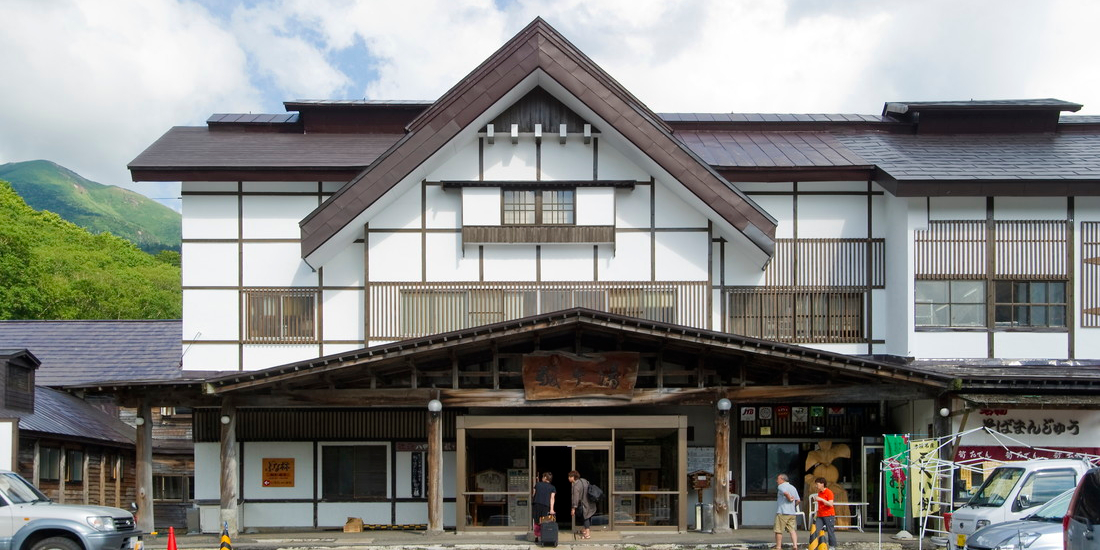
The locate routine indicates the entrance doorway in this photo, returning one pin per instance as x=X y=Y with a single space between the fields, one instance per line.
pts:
x=591 y=461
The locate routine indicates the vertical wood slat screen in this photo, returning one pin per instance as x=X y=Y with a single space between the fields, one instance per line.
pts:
x=954 y=249
x=280 y=316
x=1090 y=274
x=832 y=263
x=409 y=310
x=1023 y=249
x=796 y=315
x=1031 y=249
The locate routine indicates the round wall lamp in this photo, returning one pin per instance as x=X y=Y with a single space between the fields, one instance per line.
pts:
x=724 y=405
x=945 y=412
x=434 y=406
x=140 y=421
x=225 y=419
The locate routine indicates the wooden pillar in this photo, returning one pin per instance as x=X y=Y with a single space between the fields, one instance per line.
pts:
x=143 y=468
x=435 y=468
x=230 y=484
x=722 y=467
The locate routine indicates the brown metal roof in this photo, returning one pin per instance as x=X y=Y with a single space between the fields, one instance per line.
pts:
x=537 y=47
x=771 y=149
x=186 y=148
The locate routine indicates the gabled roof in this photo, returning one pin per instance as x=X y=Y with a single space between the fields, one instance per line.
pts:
x=61 y=415
x=76 y=352
x=538 y=48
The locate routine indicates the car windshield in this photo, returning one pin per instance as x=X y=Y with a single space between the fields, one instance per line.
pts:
x=18 y=491
x=1053 y=510
x=996 y=489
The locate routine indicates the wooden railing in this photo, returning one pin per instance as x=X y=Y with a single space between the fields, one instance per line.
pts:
x=796 y=315
x=1023 y=249
x=827 y=263
x=408 y=310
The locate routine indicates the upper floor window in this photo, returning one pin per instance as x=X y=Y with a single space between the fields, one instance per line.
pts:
x=950 y=303
x=281 y=315
x=538 y=206
x=1030 y=303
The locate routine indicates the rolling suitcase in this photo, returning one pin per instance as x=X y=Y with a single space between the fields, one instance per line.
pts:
x=549 y=535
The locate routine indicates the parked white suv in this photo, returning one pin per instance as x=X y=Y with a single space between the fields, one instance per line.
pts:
x=31 y=521
x=1013 y=491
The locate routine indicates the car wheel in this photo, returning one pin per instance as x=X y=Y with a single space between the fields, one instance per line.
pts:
x=56 y=543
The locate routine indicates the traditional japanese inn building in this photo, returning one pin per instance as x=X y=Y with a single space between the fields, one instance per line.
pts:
x=417 y=306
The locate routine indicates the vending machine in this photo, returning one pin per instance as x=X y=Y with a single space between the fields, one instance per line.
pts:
x=519 y=506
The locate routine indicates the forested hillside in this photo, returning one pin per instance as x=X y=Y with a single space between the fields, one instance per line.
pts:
x=98 y=208
x=52 y=269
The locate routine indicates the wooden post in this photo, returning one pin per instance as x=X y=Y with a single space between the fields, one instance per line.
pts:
x=143 y=468
x=230 y=484
x=721 y=470
x=435 y=470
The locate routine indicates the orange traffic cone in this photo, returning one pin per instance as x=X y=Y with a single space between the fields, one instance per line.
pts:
x=171 y=538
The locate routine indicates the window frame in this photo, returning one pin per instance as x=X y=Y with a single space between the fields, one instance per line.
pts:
x=182 y=485
x=263 y=327
x=951 y=303
x=74 y=466
x=1014 y=305
x=382 y=481
x=49 y=464
x=539 y=206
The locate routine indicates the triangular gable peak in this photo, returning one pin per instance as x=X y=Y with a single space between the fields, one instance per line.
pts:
x=537 y=57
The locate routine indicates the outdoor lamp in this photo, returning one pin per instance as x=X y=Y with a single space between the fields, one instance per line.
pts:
x=140 y=421
x=945 y=412
x=225 y=419
x=724 y=406
x=434 y=406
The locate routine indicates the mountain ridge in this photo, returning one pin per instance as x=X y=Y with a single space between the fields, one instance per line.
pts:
x=99 y=208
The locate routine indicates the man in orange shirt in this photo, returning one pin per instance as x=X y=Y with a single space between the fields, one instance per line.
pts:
x=826 y=513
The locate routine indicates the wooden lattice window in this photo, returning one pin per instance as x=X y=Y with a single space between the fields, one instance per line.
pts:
x=796 y=315
x=1030 y=303
x=538 y=206
x=1090 y=274
x=281 y=315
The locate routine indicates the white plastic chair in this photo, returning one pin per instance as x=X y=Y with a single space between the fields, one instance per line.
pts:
x=735 y=507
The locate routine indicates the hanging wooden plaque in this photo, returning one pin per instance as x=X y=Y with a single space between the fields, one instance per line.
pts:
x=560 y=375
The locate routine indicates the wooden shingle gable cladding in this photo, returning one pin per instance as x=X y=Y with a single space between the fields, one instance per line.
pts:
x=537 y=52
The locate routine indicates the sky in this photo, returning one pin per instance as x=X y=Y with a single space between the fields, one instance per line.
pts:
x=89 y=84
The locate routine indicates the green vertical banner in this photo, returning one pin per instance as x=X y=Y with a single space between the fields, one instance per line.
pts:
x=894 y=468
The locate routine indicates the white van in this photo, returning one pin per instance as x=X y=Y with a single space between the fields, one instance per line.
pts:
x=1013 y=491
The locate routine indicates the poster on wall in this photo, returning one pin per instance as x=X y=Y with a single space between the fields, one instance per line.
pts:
x=798 y=414
x=748 y=413
x=416 y=490
x=278 y=472
x=1021 y=434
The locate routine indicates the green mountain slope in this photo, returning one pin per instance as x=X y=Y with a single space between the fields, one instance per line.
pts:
x=96 y=207
x=52 y=269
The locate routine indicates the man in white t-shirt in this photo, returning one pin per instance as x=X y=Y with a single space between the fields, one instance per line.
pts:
x=786 y=501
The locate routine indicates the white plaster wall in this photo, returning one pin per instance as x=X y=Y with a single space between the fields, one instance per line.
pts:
x=632 y=207
x=849 y=349
x=879 y=313
x=343 y=315
x=1031 y=345
x=741 y=270
x=279 y=186
x=905 y=215
x=1086 y=209
x=394 y=257
x=950 y=345
x=956 y=208
x=208 y=467
x=276 y=265
x=330 y=349
x=564 y=262
x=331 y=187
x=613 y=165
x=335 y=514
x=211 y=314
x=277 y=514
x=412 y=513
x=629 y=260
x=505 y=161
x=203 y=356
x=209 y=217
x=674 y=212
x=252 y=487
x=402 y=213
x=571 y=161
x=509 y=263
x=782 y=209
x=879 y=223
x=817 y=186
x=750 y=187
x=446 y=259
x=481 y=206
x=1030 y=208
x=595 y=206
x=832 y=217
x=262 y=356
x=461 y=165
x=8 y=444
x=209 y=264
x=681 y=256
x=275 y=217
x=443 y=209
x=346 y=268
x=200 y=186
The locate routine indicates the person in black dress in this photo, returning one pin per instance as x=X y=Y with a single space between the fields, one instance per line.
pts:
x=542 y=500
